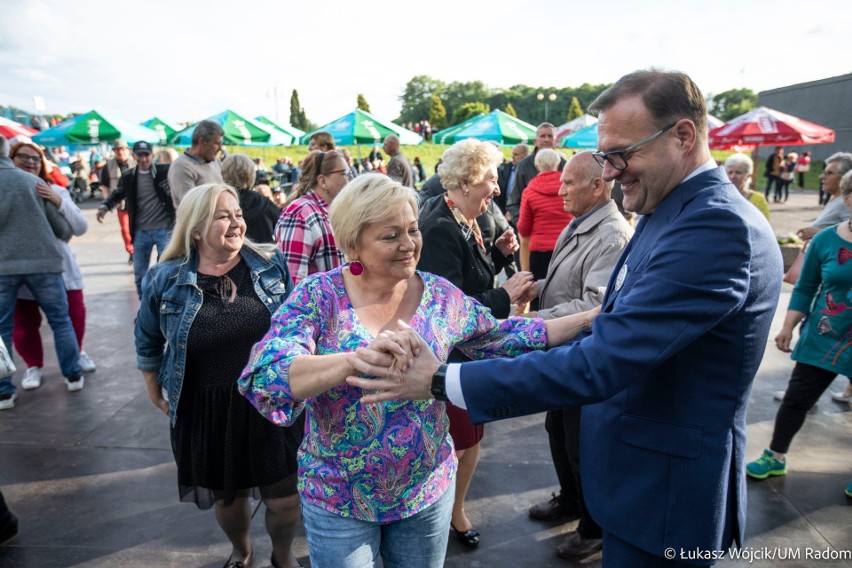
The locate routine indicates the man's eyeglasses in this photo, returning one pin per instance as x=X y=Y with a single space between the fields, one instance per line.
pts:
x=347 y=173
x=27 y=158
x=828 y=173
x=618 y=158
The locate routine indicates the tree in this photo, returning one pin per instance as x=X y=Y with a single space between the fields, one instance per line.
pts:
x=295 y=110
x=418 y=96
x=732 y=103
x=510 y=110
x=437 y=113
x=298 y=118
x=457 y=93
x=468 y=110
x=362 y=103
x=575 y=110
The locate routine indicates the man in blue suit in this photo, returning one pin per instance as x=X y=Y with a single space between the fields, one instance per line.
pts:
x=665 y=374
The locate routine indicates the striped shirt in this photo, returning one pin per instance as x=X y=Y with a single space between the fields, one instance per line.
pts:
x=303 y=234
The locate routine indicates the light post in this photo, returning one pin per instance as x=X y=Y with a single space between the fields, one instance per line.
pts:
x=542 y=97
x=274 y=95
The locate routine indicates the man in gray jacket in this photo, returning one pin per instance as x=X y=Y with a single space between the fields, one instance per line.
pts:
x=582 y=262
x=30 y=257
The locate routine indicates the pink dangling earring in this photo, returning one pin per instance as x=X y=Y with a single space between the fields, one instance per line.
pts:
x=356 y=268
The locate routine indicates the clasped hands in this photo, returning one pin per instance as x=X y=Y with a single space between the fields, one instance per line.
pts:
x=402 y=365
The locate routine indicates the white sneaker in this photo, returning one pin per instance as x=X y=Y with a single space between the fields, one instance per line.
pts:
x=8 y=401
x=845 y=396
x=32 y=378
x=779 y=395
x=86 y=363
x=75 y=385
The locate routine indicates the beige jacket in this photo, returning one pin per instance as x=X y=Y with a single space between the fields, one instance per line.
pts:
x=582 y=264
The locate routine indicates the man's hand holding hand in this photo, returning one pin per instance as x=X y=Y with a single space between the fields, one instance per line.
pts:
x=394 y=380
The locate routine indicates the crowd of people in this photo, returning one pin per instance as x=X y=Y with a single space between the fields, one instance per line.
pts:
x=335 y=348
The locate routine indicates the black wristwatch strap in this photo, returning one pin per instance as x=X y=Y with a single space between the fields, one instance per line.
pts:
x=439 y=383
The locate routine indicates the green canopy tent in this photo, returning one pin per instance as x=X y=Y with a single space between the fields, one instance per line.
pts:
x=287 y=132
x=94 y=128
x=239 y=131
x=584 y=138
x=165 y=130
x=446 y=136
x=499 y=127
x=360 y=127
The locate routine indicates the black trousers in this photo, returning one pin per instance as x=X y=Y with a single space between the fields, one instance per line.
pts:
x=807 y=383
x=563 y=431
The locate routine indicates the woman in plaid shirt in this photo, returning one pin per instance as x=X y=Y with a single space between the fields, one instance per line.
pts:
x=303 y=232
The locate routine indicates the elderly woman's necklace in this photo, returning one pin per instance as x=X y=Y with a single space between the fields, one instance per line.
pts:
x=468 y=228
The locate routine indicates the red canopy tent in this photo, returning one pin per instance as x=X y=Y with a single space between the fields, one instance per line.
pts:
x=10 y=129
x=767 y=127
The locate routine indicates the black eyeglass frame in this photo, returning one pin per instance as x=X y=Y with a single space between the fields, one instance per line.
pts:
x=602 y=157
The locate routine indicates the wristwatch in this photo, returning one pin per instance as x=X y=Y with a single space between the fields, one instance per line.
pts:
x=439 y=383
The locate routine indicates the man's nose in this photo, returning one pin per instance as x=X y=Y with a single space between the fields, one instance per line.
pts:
x=610 y=172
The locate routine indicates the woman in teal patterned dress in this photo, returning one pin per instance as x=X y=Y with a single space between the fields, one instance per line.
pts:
x=823 y=295
x=378 y=479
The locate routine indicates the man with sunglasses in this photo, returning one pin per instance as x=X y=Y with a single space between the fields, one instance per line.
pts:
x=665 y=373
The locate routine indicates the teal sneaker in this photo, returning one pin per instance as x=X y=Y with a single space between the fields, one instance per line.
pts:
x=766 y=465
x=849 y=489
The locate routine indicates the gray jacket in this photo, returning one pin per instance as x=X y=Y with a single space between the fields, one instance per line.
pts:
x=582 y=264
x=29 y=239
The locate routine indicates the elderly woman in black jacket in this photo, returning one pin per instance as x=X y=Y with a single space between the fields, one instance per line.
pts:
x=453 y=247
x=259 y=212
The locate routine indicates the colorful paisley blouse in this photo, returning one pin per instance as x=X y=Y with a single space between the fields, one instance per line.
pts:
x=386 y=461
x=824 y=291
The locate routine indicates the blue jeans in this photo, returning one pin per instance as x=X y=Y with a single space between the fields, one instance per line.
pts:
x=416 y=542
x=49 y=291
x=143 y=244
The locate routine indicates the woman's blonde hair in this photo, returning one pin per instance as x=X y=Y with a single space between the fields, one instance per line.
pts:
x=195 y=216
x=467 y=162
x=238 y=170
x=366 y=200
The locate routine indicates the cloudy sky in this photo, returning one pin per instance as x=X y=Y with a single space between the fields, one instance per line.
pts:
x=184 y=61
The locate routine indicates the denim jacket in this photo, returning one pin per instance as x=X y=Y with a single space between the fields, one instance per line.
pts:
x=170 y=300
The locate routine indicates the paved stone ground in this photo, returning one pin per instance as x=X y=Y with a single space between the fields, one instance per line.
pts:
x=92 y=479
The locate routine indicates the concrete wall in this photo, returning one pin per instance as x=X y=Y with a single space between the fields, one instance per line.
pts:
x=827 y=102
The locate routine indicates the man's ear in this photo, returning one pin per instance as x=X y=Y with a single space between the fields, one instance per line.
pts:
x=686 y=134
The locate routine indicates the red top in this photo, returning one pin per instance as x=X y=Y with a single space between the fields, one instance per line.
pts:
x=541 y=217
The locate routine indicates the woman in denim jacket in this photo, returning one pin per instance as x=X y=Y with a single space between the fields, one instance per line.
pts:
x=203 y=307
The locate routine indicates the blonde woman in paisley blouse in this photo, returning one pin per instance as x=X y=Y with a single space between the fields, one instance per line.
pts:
x=377 y=479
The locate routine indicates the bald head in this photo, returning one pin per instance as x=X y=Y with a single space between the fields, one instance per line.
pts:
x=391 y=145
x=519 y=152
x=583 y=187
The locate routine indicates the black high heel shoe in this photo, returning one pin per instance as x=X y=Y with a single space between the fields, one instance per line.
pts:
x=469 y=538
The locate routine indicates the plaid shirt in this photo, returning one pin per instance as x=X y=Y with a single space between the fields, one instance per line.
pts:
x=304 y=235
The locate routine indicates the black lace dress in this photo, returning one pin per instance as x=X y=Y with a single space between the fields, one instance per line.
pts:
x=223 y=447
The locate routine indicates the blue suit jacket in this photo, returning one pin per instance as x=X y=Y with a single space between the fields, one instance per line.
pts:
x=665 y=373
